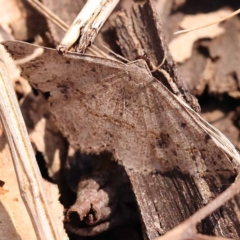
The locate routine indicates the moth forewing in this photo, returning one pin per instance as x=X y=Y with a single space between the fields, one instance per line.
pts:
x=173 y=157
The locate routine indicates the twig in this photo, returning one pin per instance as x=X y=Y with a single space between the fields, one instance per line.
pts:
x=48 y=14
x=209 y=24
x=26 y=168
x=87 y=24
x=55 y=19
x=187 y=229
x=204 y=237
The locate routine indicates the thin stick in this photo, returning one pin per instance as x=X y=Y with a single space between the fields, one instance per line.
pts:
x=187 y=229
x=209 y=24
x=26 y=168
x=56 y=20
x=117 y=56
x=87 y=24
x=48 y=14
x=205 y=237
x=98 y=52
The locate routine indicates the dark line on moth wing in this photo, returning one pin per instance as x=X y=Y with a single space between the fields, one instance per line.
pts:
x=145 y=124
x=162 y=113
x=207 y=138
x=191 y=115
x=173 y=98
x=111 y=118
x=118 y=95
x=119 y=105
x=194 y=123
x=136 y=91
x=181 y=129
x=150 y=83
x=164 y=141
x=152 y=101
x=113 y=77
x=185 y=127
x=110 y=80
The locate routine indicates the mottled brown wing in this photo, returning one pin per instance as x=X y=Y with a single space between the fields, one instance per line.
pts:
x=103 y=105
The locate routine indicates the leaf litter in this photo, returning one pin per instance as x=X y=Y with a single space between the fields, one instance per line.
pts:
x=179 y=53
x=63 y=89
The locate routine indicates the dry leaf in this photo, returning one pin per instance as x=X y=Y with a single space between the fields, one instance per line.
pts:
x=52 y=193
x=43 y=133
x=10 y=14
x=49 y=141
x=15 y=223
x=226 y=49
x=21 y=20
x=181 y=46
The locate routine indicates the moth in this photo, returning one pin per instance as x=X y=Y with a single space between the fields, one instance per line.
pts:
x=175 y=160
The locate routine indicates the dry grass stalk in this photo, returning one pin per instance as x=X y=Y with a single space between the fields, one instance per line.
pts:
x=47 y=13
x=87 y=24
x=210 y=24
x=26 y=168
x=55 y=19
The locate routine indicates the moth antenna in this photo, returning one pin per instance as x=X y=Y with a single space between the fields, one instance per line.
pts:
x=209 y=24
x=94 y=49
x=115 y=54
x=159 y=66
x=168 y=77
x=171 y=83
